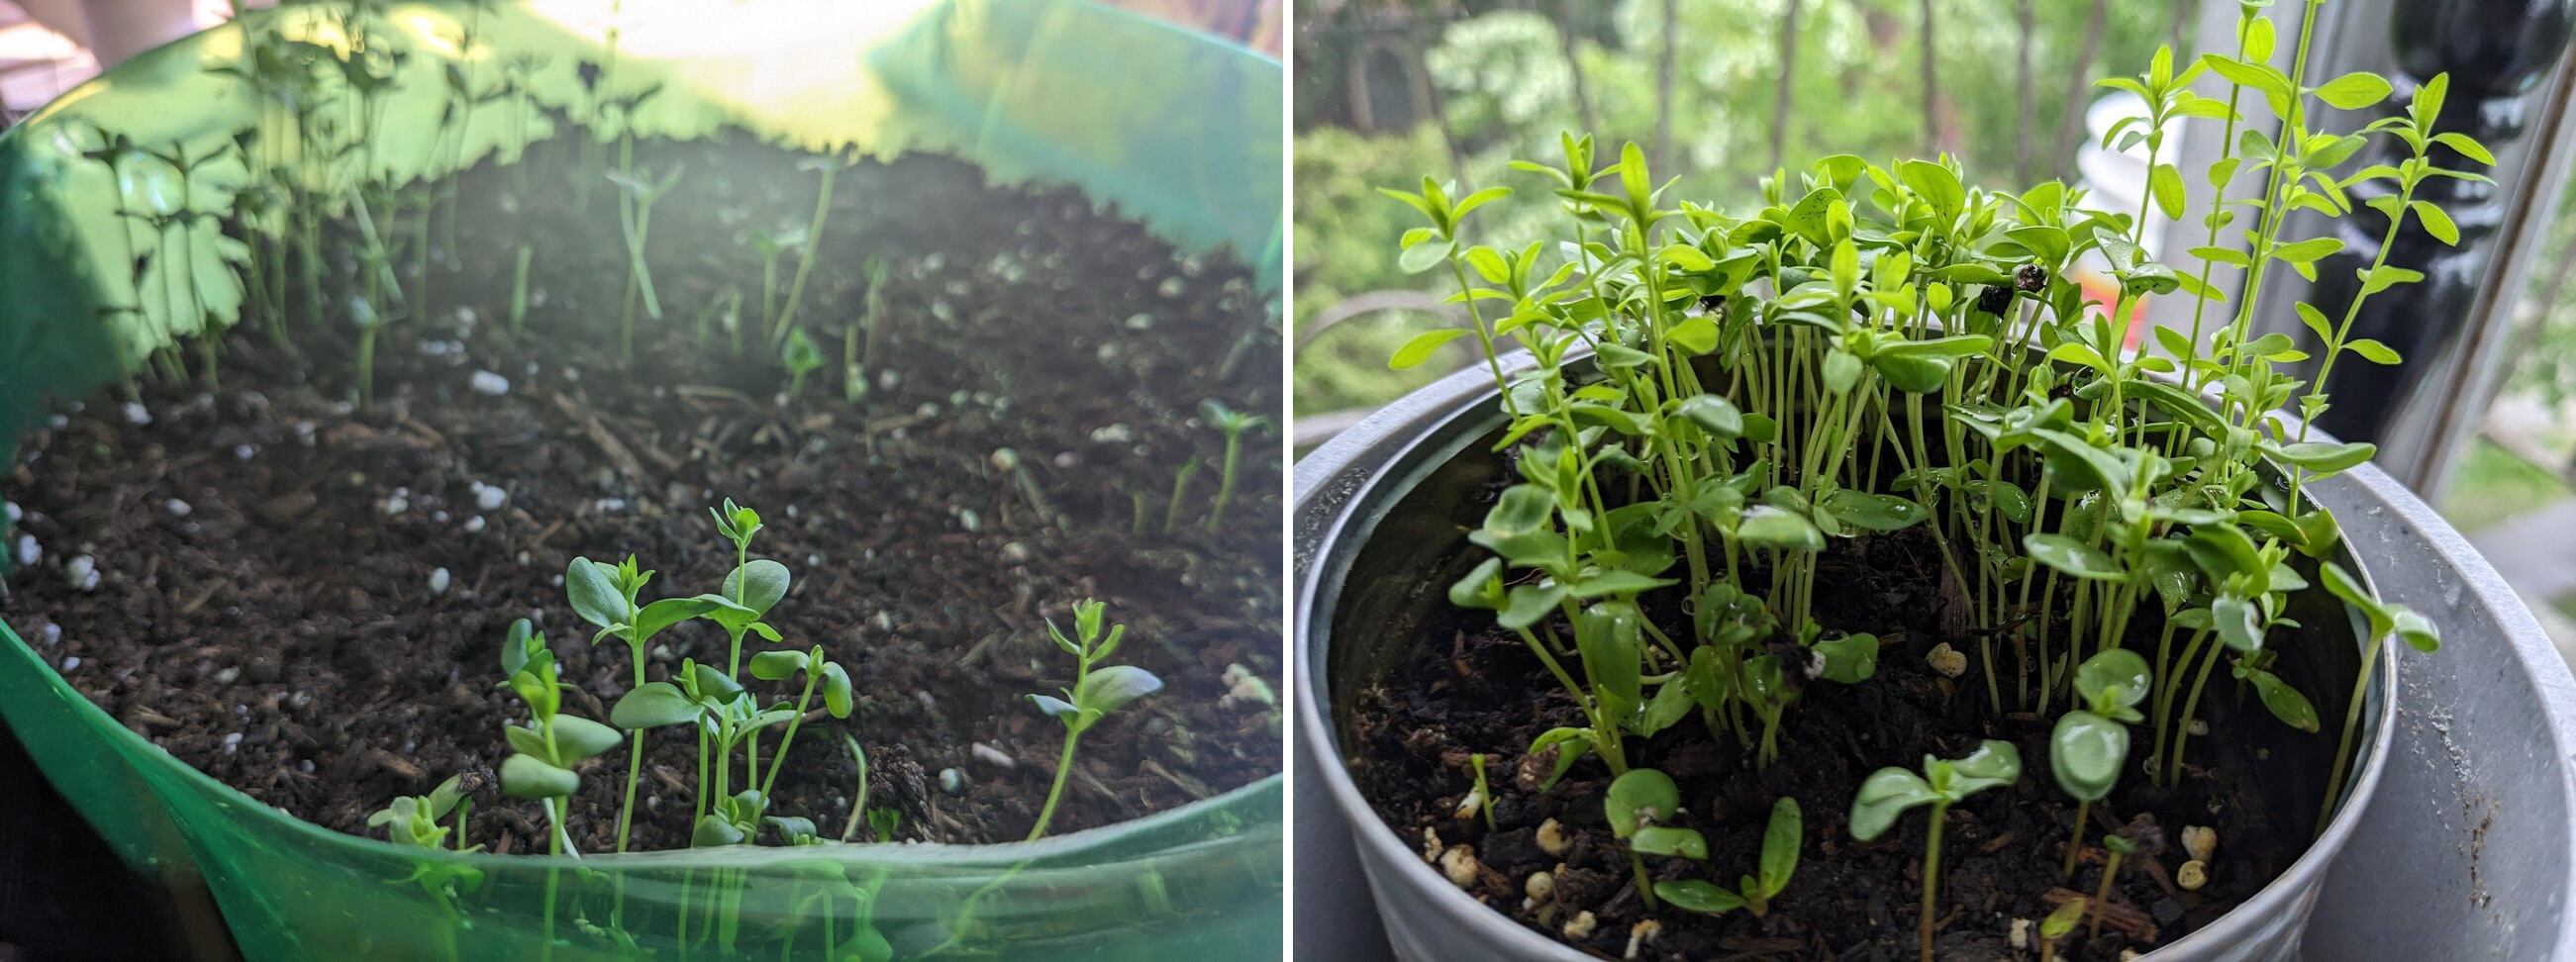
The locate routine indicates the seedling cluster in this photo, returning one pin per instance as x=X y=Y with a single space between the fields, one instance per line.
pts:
x=1885 y=349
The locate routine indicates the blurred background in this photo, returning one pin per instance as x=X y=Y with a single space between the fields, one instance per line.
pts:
x=1721 y=92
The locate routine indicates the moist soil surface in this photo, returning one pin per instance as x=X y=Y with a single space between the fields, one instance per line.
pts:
x=1470 y=690
x=306 y=599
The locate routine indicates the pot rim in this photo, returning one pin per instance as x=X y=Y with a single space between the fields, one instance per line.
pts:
x=1465 y=399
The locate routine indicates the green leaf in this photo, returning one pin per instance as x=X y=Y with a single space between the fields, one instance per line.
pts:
x=1910 y=373
x=1842 y=371
x=1885 y=795
x=2166 y=184
x=1694 y=895
x=1713 y=414
x=1107 y=689
x=1992 y=764
x=2115 y=678
x=1697 y=335
x=714 y=832
x=2354 y=91
x=2373 y=351
x=1423 y=256
x=515 y=647
x=2436 y=222
x=1935 y=184
x=2466 y=145
x=760 y=584
x=579 y=738
x=653 y=705
x=777 y=665
x=2307 y=251
x=2085 y=752
x=592 y=586
x=1642 y=796
x=1609 y=637
x=1569 y=744
x=1422 y=346
x=1780 y=840
x=2071 y=557
x=1481 y=588
x=671 y=611
x=524 y=776
x=2415 y=629
x=1527 y=604
x=2239 y=622
x=1850 y=659
x=2322 y=457
x=2285 y=702
x=1613 y=582
x=1666 y=840
x=1054 y=707
x=836 y=690
x=1764 y=526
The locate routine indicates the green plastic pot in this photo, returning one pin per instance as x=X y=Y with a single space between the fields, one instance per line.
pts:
x=1176 y=129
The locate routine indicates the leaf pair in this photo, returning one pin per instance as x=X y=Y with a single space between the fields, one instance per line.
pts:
x=1890 y=792
x=2090 y=744
x=1780 y=841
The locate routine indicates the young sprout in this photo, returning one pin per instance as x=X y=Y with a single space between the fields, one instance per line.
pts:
x=1639 y=800
x=1180 y=487
x=1889 y=792
x=1780 y=840
x=1097 y=690
x=2111 y=870
x=827 y=166
x=755 y=585
x=800 y=357
x=519 y=290
x=545 y=751
x=2385 y=619
x=858 y=799
x=415 y=820
x=770 y=247
x=607 y=596
x=1235 y=424
x=362 y=312
x=2058 y=925
x=885 y=821
x=817 y=672
x=635 y=216
x=854 y=362
x=2091 y=743
x=1483 y=797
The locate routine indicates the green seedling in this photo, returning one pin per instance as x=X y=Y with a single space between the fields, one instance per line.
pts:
x=800 y=357
x=1484 y=794
x=885 y=821
x=1097 y=690
x=415 y=821
x=1180 y=489
x=1890 y=792
x=2385 y=619
x=827 y=167
x=770 y=247
x=519 y=291
x=1780 y=842
x=854 y=370
x=607 y=596
x=545 y=751
x=2058 y=925
x=2120 y=848
x=1640 y=800
x=635 y=216
x=858 y=797
x=2090 y=745
x=1235 y=424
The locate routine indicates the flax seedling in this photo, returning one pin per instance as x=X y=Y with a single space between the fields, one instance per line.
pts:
x=1483 y=797
x=771 y=247
x=607 y=596
x=635 y=217
x=1235 y=424
x=2089 y=746
x=1097 y=690
x=2058 y=925
x=1180 y=490
x=519 y=290
x=1753 y=893
x=1639 y=802
x=827 y=167
x=1890 y=792
x=419 y=821
x=800 y=357
x=2121 y=846
x=545 y=751
x=854 y=361
x=859 y=795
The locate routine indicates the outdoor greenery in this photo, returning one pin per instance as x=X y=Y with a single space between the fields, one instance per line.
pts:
x=1880 y=349
x=1507 y=79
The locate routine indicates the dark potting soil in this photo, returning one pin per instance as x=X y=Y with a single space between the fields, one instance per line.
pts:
x=1469 y=689
x=268 y=604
